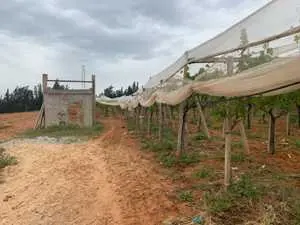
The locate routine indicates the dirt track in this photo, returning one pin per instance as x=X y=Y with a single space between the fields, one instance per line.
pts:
x=104 y=181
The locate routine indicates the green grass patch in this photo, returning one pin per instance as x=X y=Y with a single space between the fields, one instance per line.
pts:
x=199 y=137
x=254 y=135
x=238 y=157
x=297 y=143
x=218 y=202
x=204 y=173
x=154 y=146
x=6 y=159
x=244 y=187
x=168 y=159
x=237 y=145
x=238 y=194
x=65 y=131
x=185 y=196
x=293 y=118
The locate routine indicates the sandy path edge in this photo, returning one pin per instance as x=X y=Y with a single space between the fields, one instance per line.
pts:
x=104 y=181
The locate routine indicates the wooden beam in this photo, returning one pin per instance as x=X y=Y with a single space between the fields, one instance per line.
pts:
x=215 y=60
x=72 y=81
x=252 y=44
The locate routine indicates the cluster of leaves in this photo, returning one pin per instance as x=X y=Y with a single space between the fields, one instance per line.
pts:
x=21 y=99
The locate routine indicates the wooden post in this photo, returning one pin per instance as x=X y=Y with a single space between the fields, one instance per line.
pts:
x=223 y=129
x=244 y=137
x=181 y=129
x=288 y=128
x=142 y=116
x=150 y=113
x=271 y=140
x=298 y=112
x=137 y=118
x=227 y=126
x=45 y=80
x=227 y=168
x=160 y=126
x=249 y=115
x=203 y=120
x=94 y=99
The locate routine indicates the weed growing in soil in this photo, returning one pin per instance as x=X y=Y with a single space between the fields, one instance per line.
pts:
x=298 y=144
x=6 y=159
x=199 y=137
x=65 y=131
x=238 y=157
x=237 y=145
x=238 y=193
x=165 y=145
x=185 y=196
x=170 y=160
x=204 y=173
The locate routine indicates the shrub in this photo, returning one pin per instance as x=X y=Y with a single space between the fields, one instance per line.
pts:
x=185 y=196
x=204 y=173
x=217 y=203
x=189 y=158
x=6 y=159
x=169 y=160
x=237 y=193
x=244 y=187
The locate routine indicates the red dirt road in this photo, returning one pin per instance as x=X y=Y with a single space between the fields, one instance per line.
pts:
x=103 y=181
x=12 y=124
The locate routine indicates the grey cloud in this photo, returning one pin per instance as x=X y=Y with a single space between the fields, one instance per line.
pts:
x=118 y=13
x=226 y=4
x=30 y=19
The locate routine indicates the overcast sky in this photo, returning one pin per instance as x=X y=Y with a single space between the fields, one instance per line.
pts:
x=118 y=40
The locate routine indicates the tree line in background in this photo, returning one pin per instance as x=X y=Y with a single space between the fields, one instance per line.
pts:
x=112 y=93
x=21 y=99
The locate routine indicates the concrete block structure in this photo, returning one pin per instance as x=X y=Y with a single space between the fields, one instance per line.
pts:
x=69 y=106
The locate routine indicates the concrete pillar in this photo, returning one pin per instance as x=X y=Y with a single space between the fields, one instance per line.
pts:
x=94 y=98
x=45 y=79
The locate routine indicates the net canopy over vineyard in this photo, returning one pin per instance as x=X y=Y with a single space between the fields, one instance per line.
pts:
x=218 y=96
x=261 y=52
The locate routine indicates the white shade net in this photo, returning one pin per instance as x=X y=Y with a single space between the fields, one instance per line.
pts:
x=280 y=75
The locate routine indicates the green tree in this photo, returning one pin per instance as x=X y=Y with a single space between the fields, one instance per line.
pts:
x=58 y=86
x=275 y=107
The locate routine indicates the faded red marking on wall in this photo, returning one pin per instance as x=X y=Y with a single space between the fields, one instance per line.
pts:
x=75 y=113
